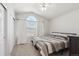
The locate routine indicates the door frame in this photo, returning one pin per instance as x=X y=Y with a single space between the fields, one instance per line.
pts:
x=5 y=29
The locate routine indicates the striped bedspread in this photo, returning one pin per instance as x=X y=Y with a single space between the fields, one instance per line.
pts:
x=48 y=45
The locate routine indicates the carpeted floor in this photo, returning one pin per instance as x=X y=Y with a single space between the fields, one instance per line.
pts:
x=24 y=50
x=29 y=50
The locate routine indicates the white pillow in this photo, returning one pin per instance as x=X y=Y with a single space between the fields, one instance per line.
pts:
x=62 y=35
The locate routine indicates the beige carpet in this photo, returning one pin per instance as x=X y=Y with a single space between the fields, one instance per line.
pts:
x=24 y=50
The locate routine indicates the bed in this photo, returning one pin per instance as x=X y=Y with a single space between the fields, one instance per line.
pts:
x=50 y=43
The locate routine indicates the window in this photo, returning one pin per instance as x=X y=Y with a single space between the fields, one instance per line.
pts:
x=31 y=22
x=34 y=27
x=31 y=25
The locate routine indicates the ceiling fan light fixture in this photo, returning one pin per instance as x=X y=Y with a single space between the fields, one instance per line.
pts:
x=44 y=6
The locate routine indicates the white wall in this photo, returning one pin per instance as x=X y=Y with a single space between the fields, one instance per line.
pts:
x=68 y=22
x=10 y=28
x=21 y=33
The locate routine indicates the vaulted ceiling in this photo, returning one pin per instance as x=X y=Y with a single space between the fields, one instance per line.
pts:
x=53 y=9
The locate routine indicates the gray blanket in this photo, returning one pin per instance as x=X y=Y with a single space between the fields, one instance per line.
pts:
x=49 y=45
